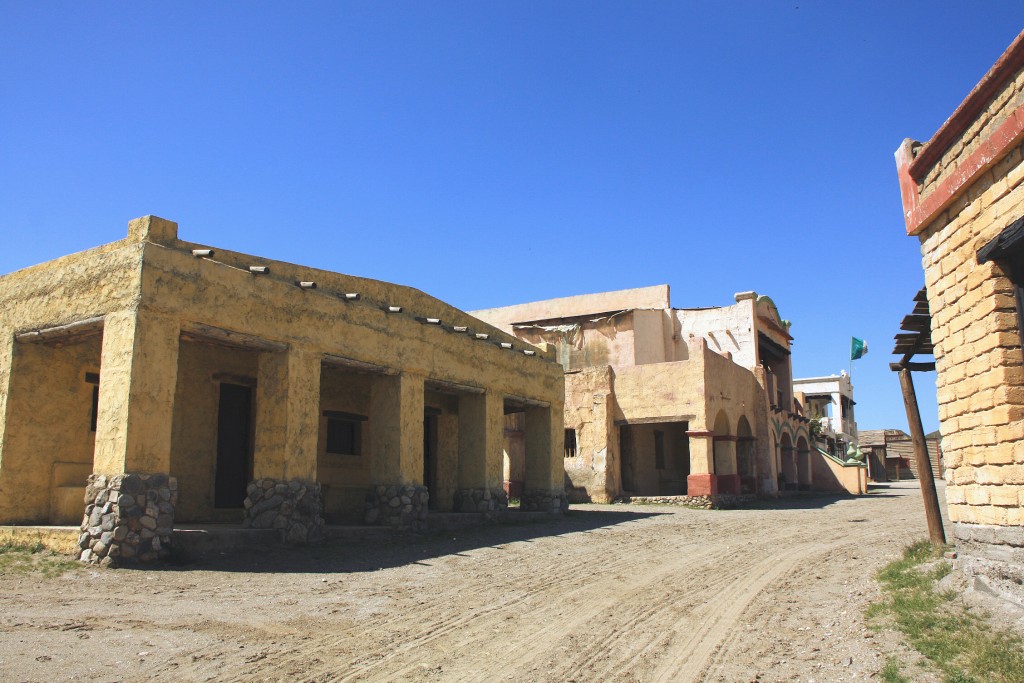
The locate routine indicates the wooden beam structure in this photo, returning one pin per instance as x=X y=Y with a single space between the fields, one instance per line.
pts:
x=918 y=341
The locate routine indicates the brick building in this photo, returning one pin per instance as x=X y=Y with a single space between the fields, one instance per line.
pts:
x=963 y=198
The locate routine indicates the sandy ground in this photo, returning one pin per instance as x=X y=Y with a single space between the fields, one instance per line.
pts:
x=610 y=593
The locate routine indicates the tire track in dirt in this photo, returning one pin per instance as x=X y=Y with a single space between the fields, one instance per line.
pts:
x=584 y=602
x=439 y=627
x=568 y=586
x=811 y=561
x=688 y=604
x=668 y=596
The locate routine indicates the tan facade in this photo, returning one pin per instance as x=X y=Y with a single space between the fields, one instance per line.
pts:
x=664 y=401
x=201 y=385
x=963 y=198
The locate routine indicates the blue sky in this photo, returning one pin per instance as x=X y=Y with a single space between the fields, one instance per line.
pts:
x=493 y=153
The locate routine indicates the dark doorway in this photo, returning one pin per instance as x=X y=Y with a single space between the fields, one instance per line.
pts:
x=627 y=457
x=233 y=445
x=430 y=458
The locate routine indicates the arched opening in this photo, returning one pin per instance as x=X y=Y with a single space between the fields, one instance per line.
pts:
x=746 y=464
x=803 y=464
x=788 y=480
x=724 y=446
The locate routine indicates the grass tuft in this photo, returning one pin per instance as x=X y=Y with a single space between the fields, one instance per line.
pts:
x=891 y=672
x=963 y=646
x=26 y=554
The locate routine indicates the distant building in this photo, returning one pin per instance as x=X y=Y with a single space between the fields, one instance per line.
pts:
x=667 y=401
x=963 y=199
x=169 y=382
x=829 y=401
x=890 y=454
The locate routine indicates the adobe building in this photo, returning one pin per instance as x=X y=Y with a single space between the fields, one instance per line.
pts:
x=963 y=199
x=169 y=383
x=661 y=401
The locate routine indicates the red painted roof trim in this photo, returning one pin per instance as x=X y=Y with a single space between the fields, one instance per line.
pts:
x=920 y=211
x=961 y=119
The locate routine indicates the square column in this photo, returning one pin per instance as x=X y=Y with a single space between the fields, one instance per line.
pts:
x=398 y=496
x=287 y=415
x=544 y=488
x=139 y=361
x=284 y=494
x=396 y=429
x=702 y=481
x=725 y=464
x=130 y=499
x=481 y=435
x=604 y=441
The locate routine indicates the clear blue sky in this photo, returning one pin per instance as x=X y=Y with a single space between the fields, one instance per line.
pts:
x=493 y=153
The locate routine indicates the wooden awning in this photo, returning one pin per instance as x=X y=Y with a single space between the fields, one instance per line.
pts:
x=916 y=339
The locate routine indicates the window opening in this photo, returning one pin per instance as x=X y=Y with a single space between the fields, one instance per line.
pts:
x=344 y=432
x=570 y=443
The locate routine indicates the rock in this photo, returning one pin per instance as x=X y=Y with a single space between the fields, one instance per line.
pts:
x=296 y=534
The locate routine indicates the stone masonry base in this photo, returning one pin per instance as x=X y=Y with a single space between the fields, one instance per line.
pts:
x=399 y=506
x=292 y=507
x=129 y=518
x=555 y=502
x=718 y=501
x=995 y=556
x=481 y=500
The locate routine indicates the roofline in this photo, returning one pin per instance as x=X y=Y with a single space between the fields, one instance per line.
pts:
x=826 y=378
x=595 y=303
x=914 y=162
x=964 y=115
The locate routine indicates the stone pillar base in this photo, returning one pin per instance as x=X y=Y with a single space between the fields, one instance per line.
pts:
x=480 y=500
x=555 y=502
x=292 y=507
x=400 y=506
x=129 y=518
x=702 y=485
x=729 y=484
x=992 y=556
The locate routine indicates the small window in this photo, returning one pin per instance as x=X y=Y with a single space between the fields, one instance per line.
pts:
x=659 y=450
x=343 y=436
x=570 y=443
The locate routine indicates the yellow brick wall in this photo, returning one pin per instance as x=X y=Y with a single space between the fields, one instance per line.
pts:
x=1011 y=97
x=974 y=329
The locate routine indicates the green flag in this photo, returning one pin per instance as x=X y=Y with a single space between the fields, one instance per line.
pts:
x=858 y=348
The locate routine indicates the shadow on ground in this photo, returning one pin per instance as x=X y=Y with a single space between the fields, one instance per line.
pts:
x=388 y=548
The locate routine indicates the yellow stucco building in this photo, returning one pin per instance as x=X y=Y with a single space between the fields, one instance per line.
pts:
x=170 y=382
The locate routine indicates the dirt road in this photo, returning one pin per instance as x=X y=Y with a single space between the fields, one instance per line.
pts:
x=611 y=593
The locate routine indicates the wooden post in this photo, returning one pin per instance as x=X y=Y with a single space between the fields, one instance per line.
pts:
x=936 y=533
